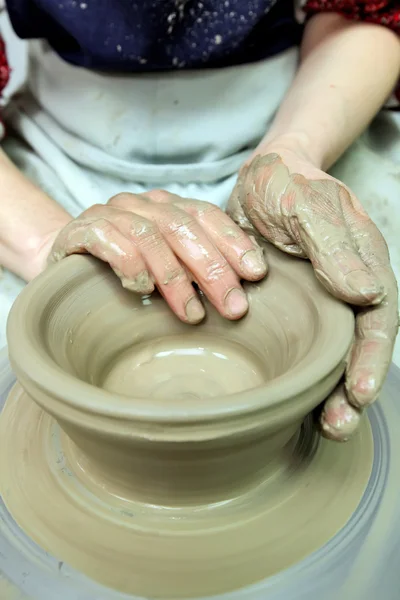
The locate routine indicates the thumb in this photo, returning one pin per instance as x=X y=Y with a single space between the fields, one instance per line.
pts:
x=236 y=203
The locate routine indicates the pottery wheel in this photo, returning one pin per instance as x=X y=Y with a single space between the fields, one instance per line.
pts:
x=56 y=499
x=233 y=495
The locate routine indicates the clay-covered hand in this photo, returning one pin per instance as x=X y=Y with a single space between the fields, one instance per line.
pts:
x=308 y=214
x=159 y=239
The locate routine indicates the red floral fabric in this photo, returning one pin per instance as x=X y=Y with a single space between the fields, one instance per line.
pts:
x=383 y=12
x=4 y=66
x=4 y=76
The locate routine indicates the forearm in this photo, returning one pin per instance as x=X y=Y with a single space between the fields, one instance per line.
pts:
x=28 y=220
x=347 y=71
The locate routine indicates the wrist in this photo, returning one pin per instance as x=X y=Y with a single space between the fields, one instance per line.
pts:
x=36 y=252
x=293 y=144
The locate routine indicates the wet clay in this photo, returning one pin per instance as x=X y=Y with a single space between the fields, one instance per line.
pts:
x=188 y=368
x=179 y=460
x=8 y=591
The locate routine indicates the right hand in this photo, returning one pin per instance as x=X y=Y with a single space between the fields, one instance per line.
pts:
x=307 y=213
x=161 y=240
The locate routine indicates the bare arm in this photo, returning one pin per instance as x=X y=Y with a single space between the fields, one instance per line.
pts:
x=347 y=72
x=155 y=239
x=29 y=222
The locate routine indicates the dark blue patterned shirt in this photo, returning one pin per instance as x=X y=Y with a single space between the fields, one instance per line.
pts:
x=154 y=35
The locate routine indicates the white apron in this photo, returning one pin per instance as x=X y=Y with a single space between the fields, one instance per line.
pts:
x=84 y=136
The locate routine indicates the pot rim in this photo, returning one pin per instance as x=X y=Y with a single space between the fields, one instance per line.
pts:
x=29 y=361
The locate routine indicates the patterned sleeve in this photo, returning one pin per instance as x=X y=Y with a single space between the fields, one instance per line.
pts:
x=381 y=12
x=4 y=76
x=4 y=66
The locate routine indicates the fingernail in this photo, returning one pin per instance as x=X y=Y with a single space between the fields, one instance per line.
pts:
x=362 y=389
x=339 y=420
x=194 y=310
x=254 y=263
x=362 y=283
x=236 y=303
x=141 y=284
x=333 y=434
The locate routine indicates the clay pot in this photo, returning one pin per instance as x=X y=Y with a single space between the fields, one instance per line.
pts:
x=149 y=400
x=186 y=426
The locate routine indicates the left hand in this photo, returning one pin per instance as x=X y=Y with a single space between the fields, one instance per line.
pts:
x=158 y=239
x=305 y=212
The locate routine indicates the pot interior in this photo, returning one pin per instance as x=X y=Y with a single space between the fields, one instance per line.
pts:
x=113 y=339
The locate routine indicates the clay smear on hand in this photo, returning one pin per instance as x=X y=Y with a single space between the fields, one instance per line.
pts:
x=322 y=220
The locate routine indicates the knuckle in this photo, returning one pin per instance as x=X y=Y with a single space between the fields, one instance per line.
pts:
x=103 y=225
x=120 y=199
x=216 y=270
x=88 y=232
x=144 y=229
x=174 y=277
x=92 y=211
x=180 y=224
x=198 y=208
x=159 y=195
x=146 y=233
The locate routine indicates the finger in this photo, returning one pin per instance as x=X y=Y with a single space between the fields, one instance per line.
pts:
x=99 y=237
x=339 y=419
x=376 y=327
x=264 y=189
x=168 y=273
x=236 y=203
x=372 y=353
x=243 y=254
x=319 y=222
x=209 y=267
